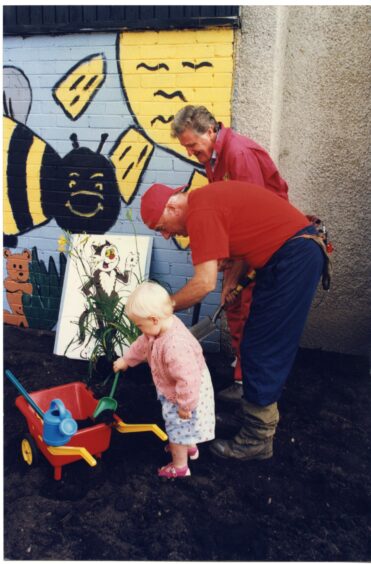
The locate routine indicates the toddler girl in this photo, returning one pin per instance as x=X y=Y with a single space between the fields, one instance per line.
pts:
x=179 y=372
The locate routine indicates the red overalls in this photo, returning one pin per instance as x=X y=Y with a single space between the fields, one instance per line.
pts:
x=236 y=157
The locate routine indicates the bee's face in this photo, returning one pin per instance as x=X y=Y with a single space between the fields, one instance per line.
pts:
x=172 y=69
x=88 y=193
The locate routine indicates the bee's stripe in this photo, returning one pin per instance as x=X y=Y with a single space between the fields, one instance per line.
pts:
x=10 y=227
x=19 y=146
x=33 y=170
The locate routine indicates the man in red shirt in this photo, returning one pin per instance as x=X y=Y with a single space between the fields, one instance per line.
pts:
x=251 y=227
x=227 y=155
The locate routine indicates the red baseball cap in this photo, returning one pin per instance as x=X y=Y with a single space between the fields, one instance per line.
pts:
x=153 y=203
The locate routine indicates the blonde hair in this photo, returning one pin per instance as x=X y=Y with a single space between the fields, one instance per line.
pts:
x=149 y=299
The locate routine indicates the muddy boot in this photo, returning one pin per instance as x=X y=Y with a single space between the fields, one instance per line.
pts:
x=254 y=441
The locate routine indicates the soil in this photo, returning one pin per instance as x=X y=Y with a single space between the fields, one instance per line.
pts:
x=310 y=502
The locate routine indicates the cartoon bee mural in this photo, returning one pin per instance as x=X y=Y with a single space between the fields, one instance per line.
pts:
x=82 y=191
x=79 y=190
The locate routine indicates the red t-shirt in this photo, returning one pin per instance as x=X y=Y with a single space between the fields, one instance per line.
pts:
x=242 y=222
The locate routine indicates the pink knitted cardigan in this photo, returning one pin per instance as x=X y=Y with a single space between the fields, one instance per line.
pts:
x=176 y=362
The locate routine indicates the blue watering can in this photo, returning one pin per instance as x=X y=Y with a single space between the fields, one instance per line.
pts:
x=59 y=426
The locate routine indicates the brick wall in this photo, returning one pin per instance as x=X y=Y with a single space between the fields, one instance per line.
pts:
x=125 y=85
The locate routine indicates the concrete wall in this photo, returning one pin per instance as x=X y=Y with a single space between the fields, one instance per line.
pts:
x=302 y=91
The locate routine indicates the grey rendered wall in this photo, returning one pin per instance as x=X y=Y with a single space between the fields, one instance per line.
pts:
x=302 y=91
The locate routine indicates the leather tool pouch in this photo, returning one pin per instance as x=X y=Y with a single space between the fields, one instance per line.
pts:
x=327 y=268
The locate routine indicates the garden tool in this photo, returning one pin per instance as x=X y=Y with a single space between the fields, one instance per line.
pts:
x=107 y=403
x=208 y=325
x=26 y=396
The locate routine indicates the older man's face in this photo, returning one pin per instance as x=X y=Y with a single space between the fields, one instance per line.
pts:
x=172 y=222
x=201 y=145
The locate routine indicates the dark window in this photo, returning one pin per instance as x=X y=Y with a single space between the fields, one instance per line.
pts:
x=32 y=20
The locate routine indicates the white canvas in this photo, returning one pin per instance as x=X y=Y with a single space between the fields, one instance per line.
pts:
x=127 y=264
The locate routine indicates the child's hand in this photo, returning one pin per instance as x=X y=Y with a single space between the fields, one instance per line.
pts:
x=184 y=413
x=120 y=364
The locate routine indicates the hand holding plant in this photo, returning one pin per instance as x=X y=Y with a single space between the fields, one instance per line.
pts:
x=120 y=365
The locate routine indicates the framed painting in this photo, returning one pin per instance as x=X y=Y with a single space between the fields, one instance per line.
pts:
x=101 y=272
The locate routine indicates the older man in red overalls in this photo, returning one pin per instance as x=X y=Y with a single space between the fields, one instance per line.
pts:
x=227 y=155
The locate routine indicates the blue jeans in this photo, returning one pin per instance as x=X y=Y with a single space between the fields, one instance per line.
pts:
x=282 y=297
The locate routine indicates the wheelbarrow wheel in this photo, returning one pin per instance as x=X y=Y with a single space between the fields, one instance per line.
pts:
x=30 y=453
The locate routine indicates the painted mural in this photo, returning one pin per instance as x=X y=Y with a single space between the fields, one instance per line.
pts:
x=79 y=190
x=113 y=106
x=76 y=90
x=17 y=283
x=101 y=273
x=33 y=291
x=17 y=97
x=163 y=71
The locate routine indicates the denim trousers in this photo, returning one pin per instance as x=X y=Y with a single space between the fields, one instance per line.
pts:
x=281 y=301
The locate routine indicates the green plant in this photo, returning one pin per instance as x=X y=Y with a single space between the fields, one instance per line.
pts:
x=42 y=306
x=103 y=324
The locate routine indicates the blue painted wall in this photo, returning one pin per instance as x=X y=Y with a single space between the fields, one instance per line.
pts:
x=35 y=68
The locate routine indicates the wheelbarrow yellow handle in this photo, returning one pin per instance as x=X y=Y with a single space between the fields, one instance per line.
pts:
x=122 y=427
x=71 y=451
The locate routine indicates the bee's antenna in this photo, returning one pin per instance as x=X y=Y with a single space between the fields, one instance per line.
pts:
x=102 y=141
x=75 y=143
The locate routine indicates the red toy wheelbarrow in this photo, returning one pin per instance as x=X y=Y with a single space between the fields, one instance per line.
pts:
x=88 y=443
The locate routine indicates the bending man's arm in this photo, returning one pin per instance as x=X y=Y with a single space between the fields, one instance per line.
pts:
x=203 y=281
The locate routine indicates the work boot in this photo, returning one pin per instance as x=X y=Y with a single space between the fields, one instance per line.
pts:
x=232 y=394
x=254 y=441
x=231 y=449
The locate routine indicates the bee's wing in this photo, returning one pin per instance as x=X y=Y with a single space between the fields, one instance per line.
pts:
x=17 y=95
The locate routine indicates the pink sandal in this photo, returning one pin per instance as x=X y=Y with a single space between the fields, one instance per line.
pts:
x=193 y=452
x=170 y=471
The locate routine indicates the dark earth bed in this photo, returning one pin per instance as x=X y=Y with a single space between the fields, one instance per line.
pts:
x=311 y=502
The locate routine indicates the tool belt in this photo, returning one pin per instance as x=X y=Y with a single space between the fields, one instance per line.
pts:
x=327 y=268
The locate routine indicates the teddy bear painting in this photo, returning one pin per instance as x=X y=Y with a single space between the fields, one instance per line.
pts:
x=16 y=284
